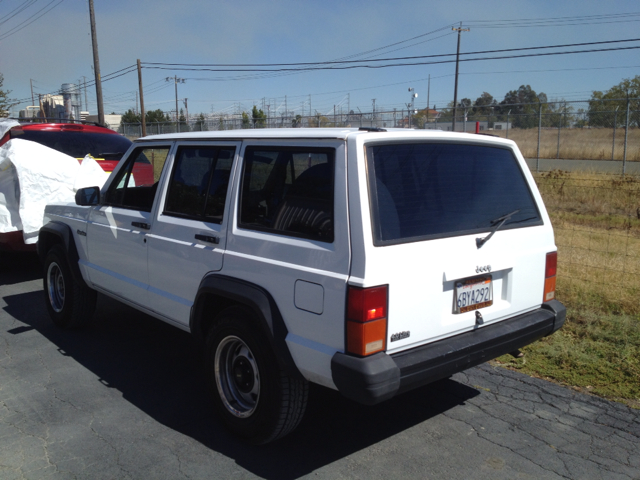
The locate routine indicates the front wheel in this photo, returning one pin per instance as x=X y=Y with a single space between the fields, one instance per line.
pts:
x=70 y=304
x=254 y=397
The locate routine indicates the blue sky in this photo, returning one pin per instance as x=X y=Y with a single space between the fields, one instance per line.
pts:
x=56 y=49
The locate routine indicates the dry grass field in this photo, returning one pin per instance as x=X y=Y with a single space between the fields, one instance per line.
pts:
x=576 y=143
x=596 y=220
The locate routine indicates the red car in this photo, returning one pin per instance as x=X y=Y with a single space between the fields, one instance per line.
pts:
x=75 y=140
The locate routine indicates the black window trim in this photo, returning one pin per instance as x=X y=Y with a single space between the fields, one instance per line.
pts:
x=373 y=194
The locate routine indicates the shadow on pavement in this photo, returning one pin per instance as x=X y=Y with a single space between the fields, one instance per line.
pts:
x=156 y=367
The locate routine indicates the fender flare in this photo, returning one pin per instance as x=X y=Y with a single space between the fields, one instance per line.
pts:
x=256 y=299
x=58 y=232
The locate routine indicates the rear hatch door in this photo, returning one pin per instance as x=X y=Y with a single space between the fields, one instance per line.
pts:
x=458 y=235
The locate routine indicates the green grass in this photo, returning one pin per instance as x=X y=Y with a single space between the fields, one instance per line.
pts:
x=596 y=221
x=594 y=352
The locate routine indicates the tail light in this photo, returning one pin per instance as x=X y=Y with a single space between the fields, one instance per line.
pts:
x=550 y=276
x=367 y=320
x=6 y=138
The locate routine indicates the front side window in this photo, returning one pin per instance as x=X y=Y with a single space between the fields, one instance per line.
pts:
x=199 y=182
x=136 y=183
x=434 y=190
x=288 y=191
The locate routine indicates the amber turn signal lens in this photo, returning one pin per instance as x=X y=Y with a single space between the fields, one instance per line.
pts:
x=366 y=338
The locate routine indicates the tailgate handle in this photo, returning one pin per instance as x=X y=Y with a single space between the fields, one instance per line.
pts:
x=207 y=238
x=144 y=226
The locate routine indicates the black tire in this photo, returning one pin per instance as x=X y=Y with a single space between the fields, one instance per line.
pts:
x=70 y=304
x=255 y=399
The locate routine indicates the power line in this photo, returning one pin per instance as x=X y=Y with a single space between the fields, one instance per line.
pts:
x=13 y=30
x=417 y=57
x=556 y=21
x=350 y=67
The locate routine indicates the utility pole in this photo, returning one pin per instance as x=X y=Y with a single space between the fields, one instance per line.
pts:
x=96 y=64
x=32 y=99
x=455 y=91
x=428 y=92
x=142 y=112
x=412 y=105
x=176 y=80
x=86 y=102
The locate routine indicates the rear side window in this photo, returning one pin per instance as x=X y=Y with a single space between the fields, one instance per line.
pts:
x=106 y=146
x=288 y=191
x=199 y=182
x=433 y=190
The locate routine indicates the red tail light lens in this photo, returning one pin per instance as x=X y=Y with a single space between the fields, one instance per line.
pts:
x=550 y=271
x=552 y=265
x=366 y=320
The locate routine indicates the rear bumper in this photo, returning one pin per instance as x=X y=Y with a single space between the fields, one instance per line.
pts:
x=373 y=379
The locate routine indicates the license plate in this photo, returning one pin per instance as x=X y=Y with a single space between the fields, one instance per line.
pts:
x=472 y=293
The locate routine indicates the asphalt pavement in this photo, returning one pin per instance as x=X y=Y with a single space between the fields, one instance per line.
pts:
x=125 y=399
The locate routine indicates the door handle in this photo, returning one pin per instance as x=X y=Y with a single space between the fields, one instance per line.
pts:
x=207 y=238
x=144 y=226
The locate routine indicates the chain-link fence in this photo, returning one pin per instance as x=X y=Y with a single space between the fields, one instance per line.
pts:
x=596 y=217
x=596 y=220
x=607 y=129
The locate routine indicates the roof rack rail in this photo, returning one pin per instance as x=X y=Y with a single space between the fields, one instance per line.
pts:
x=372 y=129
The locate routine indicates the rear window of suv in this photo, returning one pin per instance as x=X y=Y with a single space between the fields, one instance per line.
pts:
x=435 y=190
x=77 y=144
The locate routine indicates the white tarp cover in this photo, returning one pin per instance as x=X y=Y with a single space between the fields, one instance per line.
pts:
x=32 y=176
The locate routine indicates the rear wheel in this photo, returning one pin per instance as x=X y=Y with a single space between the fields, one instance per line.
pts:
x=254 y=397
x=69 y=303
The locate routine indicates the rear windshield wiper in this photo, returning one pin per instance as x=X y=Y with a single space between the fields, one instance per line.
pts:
x=499 y=221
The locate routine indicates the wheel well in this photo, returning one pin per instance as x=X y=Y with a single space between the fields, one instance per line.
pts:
x=218 y=292
x=208 y=308
x=47 y=240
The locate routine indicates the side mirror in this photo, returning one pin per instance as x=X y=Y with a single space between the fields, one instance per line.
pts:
x=88 y=196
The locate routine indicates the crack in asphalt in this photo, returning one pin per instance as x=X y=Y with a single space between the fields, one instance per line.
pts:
x=556 y=406
x=112 y=447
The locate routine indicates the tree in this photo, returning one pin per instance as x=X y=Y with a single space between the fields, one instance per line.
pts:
x=5 y=102
x=201 y=124
x=246 y=123
x=603 y=105
x=259 y=118
x=182 y=122
x=485 y=104
x=130 y=117
x=156 y=116
x=297 y=122
x=524 y=105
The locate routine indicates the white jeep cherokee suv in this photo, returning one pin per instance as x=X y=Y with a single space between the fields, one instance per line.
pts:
x=368 y=261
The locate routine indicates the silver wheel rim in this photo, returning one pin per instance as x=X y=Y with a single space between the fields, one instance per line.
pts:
x=237 y=377
x=55 y=287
